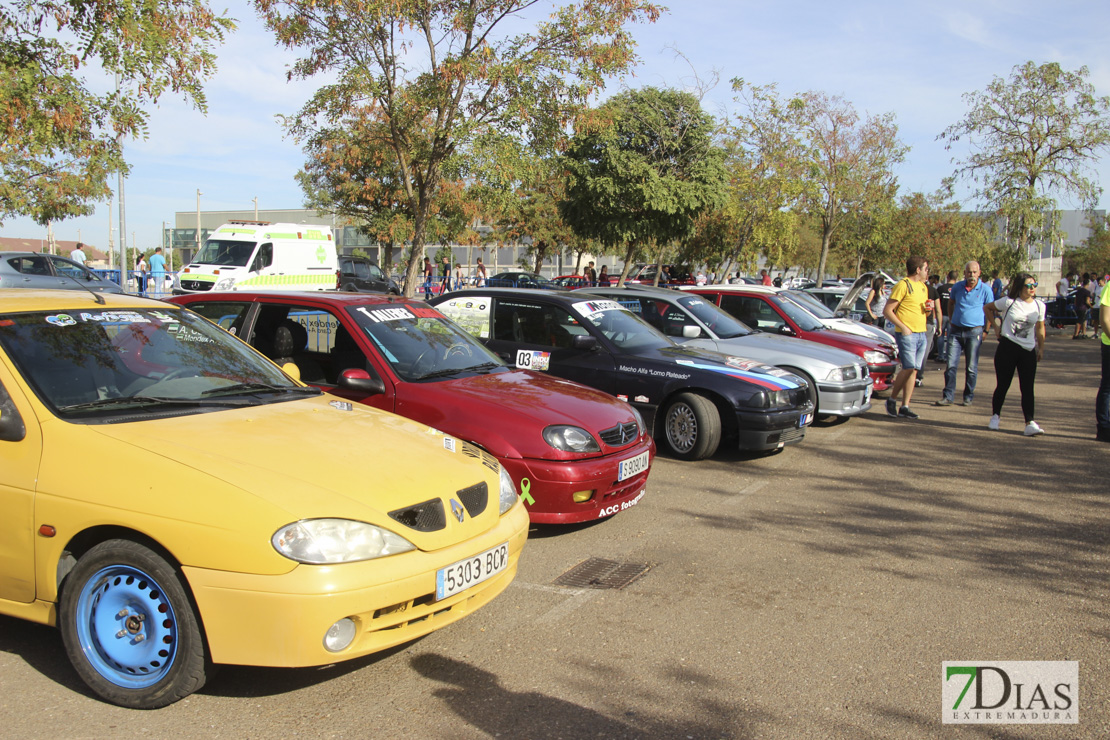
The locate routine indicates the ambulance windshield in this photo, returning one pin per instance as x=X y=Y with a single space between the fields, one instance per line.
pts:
x=225 y=253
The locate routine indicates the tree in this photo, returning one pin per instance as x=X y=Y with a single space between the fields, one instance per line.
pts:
x=62 y=140
x=442 y=74
x=1032 y=137
x=935 y=228
x=764 y=159
x=641 y=169
x=534 y=213
x=850 y=163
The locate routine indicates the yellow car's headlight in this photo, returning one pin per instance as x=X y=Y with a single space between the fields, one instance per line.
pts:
x=320 y=541
x=508 y=491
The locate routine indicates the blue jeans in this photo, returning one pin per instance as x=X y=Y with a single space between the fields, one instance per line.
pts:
x=965 y=339
x=911 y=349
x=1102 y=400
x=942 y=350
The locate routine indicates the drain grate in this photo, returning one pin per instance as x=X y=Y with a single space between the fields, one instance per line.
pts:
x=601 y=573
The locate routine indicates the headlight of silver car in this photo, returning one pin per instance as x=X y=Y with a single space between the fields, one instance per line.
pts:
x=874 y=356
x=847 y=372
x=570 y=439
x=508 y=491
x=320 y=541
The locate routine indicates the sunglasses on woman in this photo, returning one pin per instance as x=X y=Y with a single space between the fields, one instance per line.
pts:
x=1030 y=285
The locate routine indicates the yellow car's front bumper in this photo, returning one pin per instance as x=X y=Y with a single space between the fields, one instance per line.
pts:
x=281 y=620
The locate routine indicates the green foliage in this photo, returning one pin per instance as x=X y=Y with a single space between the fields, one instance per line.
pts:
x=62 y=140
x=1094 y=255
x=850 y=164
x=641 y=169
x=1032 y=137
x=935 y=228
x=445 y=79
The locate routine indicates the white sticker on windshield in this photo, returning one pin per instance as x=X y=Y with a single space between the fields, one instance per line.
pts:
x=592 y=308
x=116 y=317
x=380 y=315
x=62 y=319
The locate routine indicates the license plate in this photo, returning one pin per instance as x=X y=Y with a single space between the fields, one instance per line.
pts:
x=632 y=466
x=805 y=420
x=462 y=575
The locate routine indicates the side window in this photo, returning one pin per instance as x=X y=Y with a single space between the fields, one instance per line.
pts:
x=471 y=313
x=310 y=337
x=347 y=268
x=671 y=318
x=229 y=316
x=531 y=323
x=375 y=272
x=11 y=423
x=264 y=258
x=31 y=265
x=754 y=312
x=68 y=269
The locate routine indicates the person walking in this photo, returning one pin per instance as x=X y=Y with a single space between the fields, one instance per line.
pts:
x=764 y=278
x=970 y=314
x=429 y=273
x=78 y=255
x=944 y=290
x=932 y=327
x=445 y=276
x=1102 y=399
x=157 y=272
x=876 y=299
x=591 y=274
x=460 y=279
x=1020 y=347
x=603 y=276
x=140 y=274
x=480 y=274
x=907 y=308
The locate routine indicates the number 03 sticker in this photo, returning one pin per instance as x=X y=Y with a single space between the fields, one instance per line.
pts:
x=529 y=360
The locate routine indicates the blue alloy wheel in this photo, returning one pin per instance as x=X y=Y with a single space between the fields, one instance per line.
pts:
x=127 y=627
x=130 y=627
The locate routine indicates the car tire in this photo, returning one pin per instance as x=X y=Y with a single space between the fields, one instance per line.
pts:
x=129 y=627
x=691 y=427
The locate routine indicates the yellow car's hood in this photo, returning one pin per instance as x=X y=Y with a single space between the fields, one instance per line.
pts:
x=256 y=469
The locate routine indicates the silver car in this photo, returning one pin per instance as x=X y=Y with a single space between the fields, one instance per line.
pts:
x=839 y=382
x=34 y=270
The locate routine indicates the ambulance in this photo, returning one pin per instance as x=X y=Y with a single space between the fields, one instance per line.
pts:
x=259 y=255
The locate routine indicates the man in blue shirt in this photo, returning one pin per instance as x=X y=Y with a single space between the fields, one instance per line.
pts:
x=157 y=272
x=971 y=312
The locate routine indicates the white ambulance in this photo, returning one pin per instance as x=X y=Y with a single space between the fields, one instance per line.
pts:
x=259 y=255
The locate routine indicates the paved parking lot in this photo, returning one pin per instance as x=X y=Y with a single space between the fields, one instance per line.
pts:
x=810 y=593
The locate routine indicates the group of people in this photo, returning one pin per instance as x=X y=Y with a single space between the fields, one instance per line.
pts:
x=962 y=314
x=445 y=281
x=156 y=270
x=1088 y=293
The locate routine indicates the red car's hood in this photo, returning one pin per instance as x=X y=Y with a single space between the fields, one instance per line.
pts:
x=506 y=412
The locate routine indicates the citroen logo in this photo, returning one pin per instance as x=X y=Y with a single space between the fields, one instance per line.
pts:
x=458 y=510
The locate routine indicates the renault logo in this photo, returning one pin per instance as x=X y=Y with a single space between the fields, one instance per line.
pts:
x=458 y=510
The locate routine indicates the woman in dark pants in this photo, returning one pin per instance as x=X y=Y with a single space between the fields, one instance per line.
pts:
x=1020 y=347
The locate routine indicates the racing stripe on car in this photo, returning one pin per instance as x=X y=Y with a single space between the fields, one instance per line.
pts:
x=767 y=381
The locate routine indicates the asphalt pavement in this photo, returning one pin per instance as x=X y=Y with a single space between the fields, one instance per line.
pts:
x=811 y=593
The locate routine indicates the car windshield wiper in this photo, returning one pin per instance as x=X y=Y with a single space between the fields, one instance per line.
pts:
x=442 y=373
x=485 y=366
x=264 y=387
x=141 y=401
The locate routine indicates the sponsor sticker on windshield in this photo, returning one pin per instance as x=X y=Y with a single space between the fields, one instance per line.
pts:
x=593 y=308
x=381 y=315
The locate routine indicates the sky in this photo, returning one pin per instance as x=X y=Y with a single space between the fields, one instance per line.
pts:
x=915 y=60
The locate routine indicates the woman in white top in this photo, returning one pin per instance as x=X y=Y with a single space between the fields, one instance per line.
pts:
x=1020 y=347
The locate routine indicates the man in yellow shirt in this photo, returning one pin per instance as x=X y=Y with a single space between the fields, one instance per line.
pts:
x=1102 y=400
x=907 y=308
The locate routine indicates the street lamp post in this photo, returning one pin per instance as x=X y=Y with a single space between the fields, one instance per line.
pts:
x=197 y=239
x=255 y=199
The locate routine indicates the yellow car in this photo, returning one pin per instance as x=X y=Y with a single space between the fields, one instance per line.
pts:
x=171 y=500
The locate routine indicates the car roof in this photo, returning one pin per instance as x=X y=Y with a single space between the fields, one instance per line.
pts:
x=767 y=289
x=558 y=295
x=327 y=296
x=15 y=300
x=640 y=288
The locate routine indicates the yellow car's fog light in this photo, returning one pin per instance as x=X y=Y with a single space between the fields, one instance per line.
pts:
x=340 y=635
x=581 y=497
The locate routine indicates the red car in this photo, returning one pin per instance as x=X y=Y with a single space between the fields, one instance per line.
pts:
x=574 y=453
x=571 y=282
x=761 y=308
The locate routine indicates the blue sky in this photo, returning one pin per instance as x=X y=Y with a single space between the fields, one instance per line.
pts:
x=912 y=59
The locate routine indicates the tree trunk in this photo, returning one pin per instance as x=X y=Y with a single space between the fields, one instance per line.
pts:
x=387 y=259
x=629 y=250
x=415 y=273
x=826 y=239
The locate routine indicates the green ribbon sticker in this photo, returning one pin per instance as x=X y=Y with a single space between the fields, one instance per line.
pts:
x=525 y=484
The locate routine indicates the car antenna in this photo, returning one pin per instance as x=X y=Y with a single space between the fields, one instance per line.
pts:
x=99 y=298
